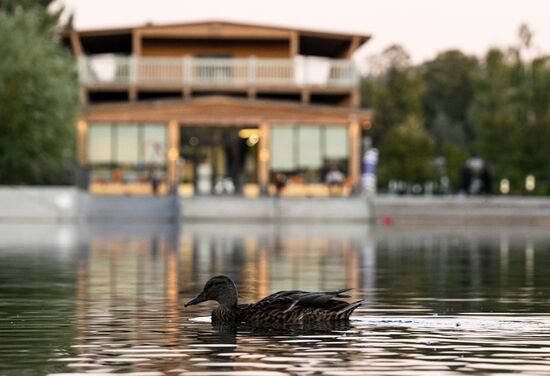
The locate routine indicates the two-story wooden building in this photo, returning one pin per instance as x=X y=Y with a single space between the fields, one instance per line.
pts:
x=218 y=107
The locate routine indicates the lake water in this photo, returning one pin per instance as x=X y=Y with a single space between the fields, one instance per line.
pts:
x=106 y=299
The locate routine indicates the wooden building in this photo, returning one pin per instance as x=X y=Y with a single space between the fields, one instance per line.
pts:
x=218 y=107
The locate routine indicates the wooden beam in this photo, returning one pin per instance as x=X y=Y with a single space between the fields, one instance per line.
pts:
x=82 y=141
x=294 y=44
x=172 y=154
x=136 y=43
x=354 y=166
x=76 y=44
x=305 y=96
x=353 y=46
x=264 y=155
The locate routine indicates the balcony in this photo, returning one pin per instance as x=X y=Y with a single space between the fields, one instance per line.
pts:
x=262 y=73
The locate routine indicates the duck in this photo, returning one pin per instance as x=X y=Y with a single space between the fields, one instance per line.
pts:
x=286 y=307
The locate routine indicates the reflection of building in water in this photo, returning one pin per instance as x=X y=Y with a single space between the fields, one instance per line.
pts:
x=124 y=281
x=269 y=258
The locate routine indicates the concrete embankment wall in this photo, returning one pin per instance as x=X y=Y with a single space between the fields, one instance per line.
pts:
x=66 y=204
x=461 y=210
x=39 y=204
x=355 y=209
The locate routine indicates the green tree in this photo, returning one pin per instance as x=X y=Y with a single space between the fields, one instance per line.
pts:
x=511 y=113
x=455 y=157
x=536 y=153
x=497 y=112
x=394 y=93
x=450 y=82
x=38 y=100
x=406 y=154
x=48 y=19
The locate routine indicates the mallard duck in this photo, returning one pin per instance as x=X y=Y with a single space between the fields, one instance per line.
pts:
x=281 y=307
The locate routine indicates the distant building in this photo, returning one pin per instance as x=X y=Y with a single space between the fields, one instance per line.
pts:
x=218 y=107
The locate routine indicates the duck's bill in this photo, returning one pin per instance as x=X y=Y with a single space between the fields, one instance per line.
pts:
x=196 y=300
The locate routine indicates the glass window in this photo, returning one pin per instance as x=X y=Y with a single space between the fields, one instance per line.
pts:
x=309 y=147
x=154 y=143
x=282 y=148
x=99 y=143
x=126 y=143
x=336 y=142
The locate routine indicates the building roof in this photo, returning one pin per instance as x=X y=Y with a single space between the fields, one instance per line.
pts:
x=312 y=42
x=152 y=26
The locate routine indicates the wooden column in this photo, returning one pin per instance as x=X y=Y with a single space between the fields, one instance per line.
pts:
x=306 y=96
x=354 y=134
x=82 y=142
x=136 y=43
x=172 y=155
x=353 y=46
x=264 y=154
x=294 y=44
x=136 y=53
x=76 y=45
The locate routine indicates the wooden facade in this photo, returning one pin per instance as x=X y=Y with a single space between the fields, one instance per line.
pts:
x=150 y=82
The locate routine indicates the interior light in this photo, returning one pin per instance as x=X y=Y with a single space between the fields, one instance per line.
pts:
x=253 y=140
x=248 y=132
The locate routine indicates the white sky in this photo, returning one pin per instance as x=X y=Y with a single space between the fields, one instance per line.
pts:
x=423 y=27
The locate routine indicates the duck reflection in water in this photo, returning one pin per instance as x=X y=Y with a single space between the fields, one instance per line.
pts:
x=283 y=307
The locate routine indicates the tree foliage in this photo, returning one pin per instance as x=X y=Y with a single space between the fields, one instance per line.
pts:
x=496 y=107
x=406 y=153
x=450 y=83
x=38 y=99
x=394 y=95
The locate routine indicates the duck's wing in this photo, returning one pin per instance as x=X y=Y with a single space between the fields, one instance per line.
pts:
x=295 y=306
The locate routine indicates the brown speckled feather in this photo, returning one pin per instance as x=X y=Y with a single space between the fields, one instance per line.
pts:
x=299 y=306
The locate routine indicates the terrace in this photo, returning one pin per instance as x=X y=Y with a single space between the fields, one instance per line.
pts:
x=108 y=71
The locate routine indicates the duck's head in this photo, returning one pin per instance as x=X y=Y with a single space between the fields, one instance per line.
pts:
x=220 y=288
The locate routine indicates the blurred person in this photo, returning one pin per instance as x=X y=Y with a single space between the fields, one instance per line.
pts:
x=154 y=179
x=117 y=175
x=466 y=179
x=280 y=183
x=334 y=179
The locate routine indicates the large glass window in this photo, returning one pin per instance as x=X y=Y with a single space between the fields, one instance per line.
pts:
x=100 y=143
x=127 y=142
x=282 y=148
x=308 y=152
x=154 y=143
x=336 y=142
x=309 y=147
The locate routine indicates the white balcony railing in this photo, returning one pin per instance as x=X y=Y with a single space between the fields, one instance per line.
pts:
x=166 y=71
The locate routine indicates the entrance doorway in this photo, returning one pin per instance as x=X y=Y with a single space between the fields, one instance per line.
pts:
x=218 y=160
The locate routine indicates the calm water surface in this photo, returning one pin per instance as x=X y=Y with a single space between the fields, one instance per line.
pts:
x=106 y=299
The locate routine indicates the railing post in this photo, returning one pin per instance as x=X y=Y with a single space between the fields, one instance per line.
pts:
x=187 y=66
x=252 y=70
x=133 y=69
